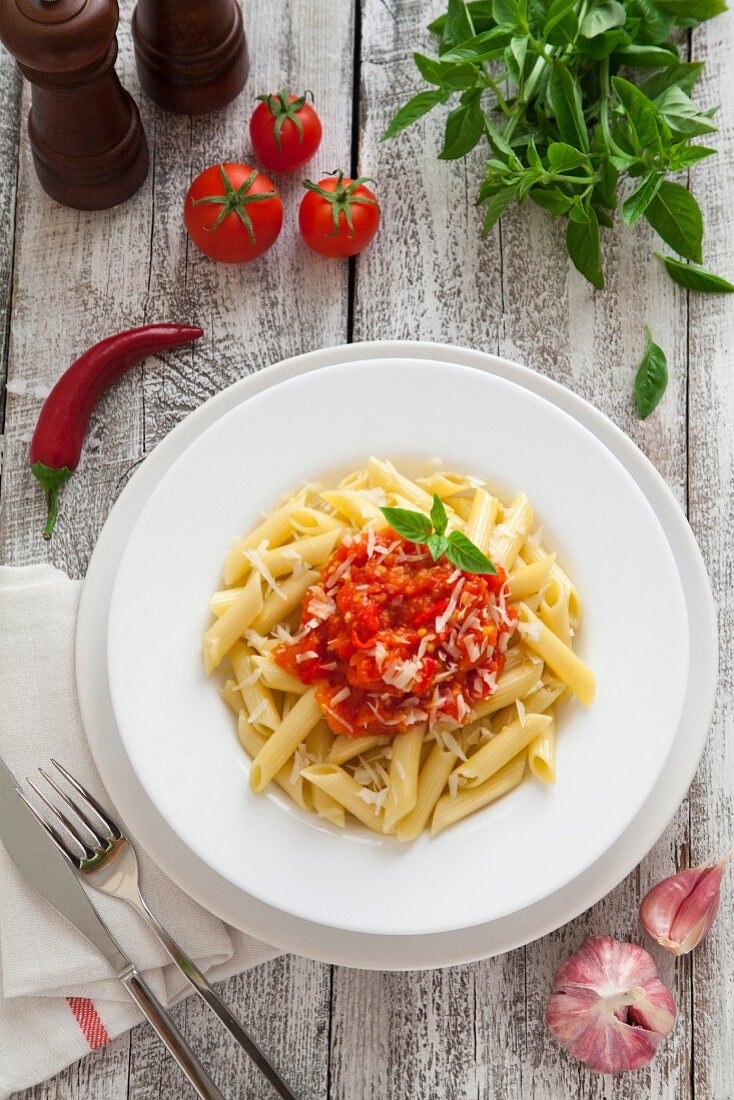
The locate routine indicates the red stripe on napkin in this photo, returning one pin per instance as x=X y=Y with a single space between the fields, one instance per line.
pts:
x=88 y=1019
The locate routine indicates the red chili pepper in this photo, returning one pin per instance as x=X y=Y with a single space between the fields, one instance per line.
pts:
x=64 y=417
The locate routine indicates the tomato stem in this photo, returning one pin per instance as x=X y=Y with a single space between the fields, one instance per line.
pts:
x=235 y=201
x=342 y=198
x=282 y=107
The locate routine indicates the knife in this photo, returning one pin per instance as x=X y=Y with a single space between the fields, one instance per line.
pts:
x=36 y=857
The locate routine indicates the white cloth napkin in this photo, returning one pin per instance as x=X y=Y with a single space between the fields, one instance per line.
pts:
x=59 y=996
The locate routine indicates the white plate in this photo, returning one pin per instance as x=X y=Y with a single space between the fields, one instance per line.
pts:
x=179 y=735
x=353 y=949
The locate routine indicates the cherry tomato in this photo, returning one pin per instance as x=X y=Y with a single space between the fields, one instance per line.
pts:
x=233 y=213
x=285 y=132
x=338 y=216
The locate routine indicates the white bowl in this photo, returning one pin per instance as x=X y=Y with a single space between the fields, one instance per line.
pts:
x=180 y=737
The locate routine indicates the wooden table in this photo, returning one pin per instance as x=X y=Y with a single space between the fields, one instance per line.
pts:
x=67 y=279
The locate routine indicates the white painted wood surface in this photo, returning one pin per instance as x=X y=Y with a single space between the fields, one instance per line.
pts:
x=66 y=279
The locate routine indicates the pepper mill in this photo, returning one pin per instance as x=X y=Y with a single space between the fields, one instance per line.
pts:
x=191 y=54
x=85 y=131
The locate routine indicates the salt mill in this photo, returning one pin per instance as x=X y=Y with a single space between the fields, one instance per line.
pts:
x=191 y=54
x=87 y=140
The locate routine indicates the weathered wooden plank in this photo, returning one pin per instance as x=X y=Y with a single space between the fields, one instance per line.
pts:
x=289 y=300
x=517 y=294
x=10 y=90
x=80 y=276
x=711 y=459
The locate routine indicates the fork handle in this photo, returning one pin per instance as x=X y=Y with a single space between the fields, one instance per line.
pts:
x=191 y=972
x=167 y=1031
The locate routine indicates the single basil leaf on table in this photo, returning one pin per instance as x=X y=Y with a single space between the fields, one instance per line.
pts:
x=634 y=205
x=414 y=109
x=439 y=517
x=462 y=553
x=437 y=545
x=676 y=216
x=413 y=526
x=582 y=241
x=566 y=102
x=695 y=278
x=651 y=378
x=464 y=127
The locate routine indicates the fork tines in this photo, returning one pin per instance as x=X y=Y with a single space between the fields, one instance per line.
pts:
x=94 y=822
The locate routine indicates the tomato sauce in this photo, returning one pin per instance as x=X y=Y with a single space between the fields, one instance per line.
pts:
x=393 y=639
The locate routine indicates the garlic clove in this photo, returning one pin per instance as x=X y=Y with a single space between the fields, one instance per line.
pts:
x=608 y=1006
x=679 y=911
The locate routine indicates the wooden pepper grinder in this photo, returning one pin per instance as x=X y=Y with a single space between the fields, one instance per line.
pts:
x=191 y=54
x=86 y=136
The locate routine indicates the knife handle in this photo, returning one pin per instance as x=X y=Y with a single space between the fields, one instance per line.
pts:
x=169 y=1034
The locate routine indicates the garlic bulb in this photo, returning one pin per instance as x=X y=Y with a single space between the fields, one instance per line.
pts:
x=680 y=910
x=608 y=1006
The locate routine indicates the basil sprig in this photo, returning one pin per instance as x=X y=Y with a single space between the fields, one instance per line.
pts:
x=431 y=532
x=652 y=377
x=537 y=83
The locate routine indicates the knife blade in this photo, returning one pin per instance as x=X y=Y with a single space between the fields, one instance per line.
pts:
x=35 y=856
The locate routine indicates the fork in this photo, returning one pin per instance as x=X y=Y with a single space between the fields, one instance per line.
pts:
x=110 y=865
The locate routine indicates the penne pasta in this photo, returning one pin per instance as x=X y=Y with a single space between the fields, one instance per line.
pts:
x=373 y=684
x=402 y=790
x=313 y=550
x=431 y=782
x=346 y=748
x=527 y=580
x=561 y=658
x=447 y=484
x=501 y=749
x=514 y=683
x=256 y=696
x=510 y=534
x=356 y=507
x=532 y=553
x=542 y=753
x=480 y=524
x=221 y=636
x=277 y=678
x=384 y=474
x=450 y=810
x=554 y=610
x=318 y=744
x=345 y=790
x=312 y=521
x=252 y=742
x=274 y=529
x=277 y=606
x=284 y=741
